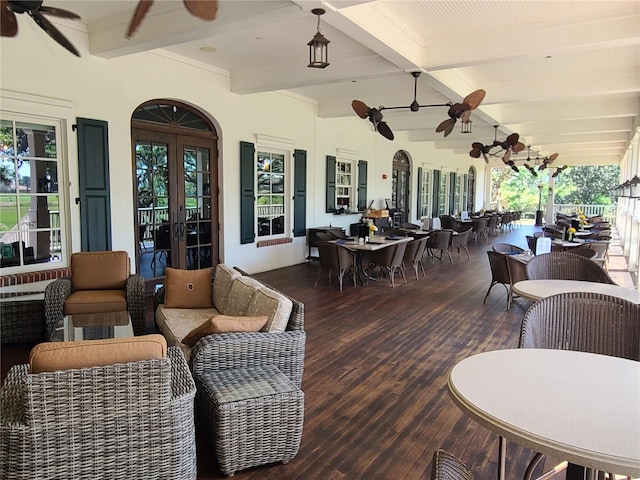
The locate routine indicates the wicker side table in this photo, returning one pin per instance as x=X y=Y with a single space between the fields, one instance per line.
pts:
x=255 y=416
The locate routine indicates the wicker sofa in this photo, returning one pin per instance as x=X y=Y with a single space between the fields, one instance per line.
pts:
x=109 y=409
x=236 y=293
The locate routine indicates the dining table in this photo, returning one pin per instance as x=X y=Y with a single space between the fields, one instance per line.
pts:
x=574 y=406
x=368 y=244
x=537 y=289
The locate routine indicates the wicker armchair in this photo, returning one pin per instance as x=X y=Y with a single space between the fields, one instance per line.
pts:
x=499 y=274
x=439 y=241
x=389 y=260
x=124 y=421
x=447 y=467
x=460 y=241
x=479 y=228
x=58 y=291
x=413 y=254
x=224 y=351
x=566 y=266
x=585 y=322
x=507 y=248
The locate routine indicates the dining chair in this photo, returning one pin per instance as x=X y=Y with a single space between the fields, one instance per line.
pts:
x=585 y=322
x=585 y=252
x=492 y=224
x=499 y=273
x=531 y=243
x=566 y=266
x=601 y=247
x=439 y=241
x=507 y=248
x=335 y=259
x=413 y=254
x=460 y=241
x=389 y=259
x=445 y=466
x=517 y=272
x=479 y=228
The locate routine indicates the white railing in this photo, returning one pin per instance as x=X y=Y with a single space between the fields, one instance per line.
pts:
x=158 y=215
x=607 y=212
x=270 y=211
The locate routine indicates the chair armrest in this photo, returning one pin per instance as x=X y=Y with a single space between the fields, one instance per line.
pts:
x=11 y=402
x=55 y=295
x=182 y=384
x=226 y=351
x=135 y=302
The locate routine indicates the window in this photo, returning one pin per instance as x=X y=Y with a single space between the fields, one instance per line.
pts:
x=271 y=181
x=442 y=202
x=345 y=185
x=32 y=208
x=457 y=198
x=424 y=205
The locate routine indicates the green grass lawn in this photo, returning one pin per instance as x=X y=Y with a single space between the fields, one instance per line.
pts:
x=9 y=212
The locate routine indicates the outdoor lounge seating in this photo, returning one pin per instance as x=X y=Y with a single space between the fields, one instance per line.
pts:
x=116 y=408
x=115 y=297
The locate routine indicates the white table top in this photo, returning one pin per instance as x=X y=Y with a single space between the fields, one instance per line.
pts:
x=566 y=244
x=378 y=243
x=537 y=289
x=575 y=406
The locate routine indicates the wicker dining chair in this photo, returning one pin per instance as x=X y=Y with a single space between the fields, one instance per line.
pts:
x=601 y=247
x=584 y=252
x=507 y=248
x=414 y=253
x=439 y=241
x=119 y=421
x=479 y=228
x=566 y=266
x=389 y=259
x=499 y=273
x=335 y=259
x=460 y=241
x=445 y=466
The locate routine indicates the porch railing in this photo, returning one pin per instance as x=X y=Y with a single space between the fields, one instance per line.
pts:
x=607 y=212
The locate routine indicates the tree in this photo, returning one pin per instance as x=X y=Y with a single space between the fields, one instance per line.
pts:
x=587 y=185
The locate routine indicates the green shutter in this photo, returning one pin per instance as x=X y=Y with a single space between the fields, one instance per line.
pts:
x=419 y=199
x=435 y=208
x=300 y=193
x=465 y=196
x=247 y=193
x=362 y=184
x=452 y=193
x=93 y=184
x=331 y=184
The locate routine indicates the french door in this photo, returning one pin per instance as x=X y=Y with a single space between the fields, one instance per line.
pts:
x=176 y=205
x=400 y=184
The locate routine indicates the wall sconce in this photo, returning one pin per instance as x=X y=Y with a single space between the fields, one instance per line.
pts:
x=384 y=176
x=465 y=126
x=634 y=189
x=626 y=189
x=318 y=46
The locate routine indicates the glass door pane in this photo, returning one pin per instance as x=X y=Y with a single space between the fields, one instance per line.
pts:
x=197 y=206
x=154 y=222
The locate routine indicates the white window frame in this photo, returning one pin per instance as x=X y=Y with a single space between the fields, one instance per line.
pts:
x=276 y=146
x=459 y=193
x=443 y=206
x=349 y=159
x=21 y=108
x=426 y=192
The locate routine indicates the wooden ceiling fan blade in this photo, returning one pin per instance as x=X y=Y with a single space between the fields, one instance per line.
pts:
x=553 y=157
x=53 y=32
x=518 y=147
x=449 y=129
x=59 y=12
x=474 y=99
x=360 y=108
x=512 y=139
x=384 y=130
x=475 y=153
x=8 y=21
x=448 y=123
x=507 y=156
x=141 y=10
x=205 y=9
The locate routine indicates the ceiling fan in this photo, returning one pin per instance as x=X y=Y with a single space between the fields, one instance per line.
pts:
x=558 y=171
x=546 y=161
x=456 y=110
x=207 y=10
x=509 y=145
x=34 y=8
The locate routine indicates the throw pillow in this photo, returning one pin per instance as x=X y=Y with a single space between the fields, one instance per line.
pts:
x=187 y=288
x=225 y=324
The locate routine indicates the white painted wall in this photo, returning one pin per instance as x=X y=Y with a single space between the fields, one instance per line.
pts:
x=110 y=90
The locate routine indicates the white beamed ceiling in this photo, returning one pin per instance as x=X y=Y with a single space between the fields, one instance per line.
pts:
x=565 y=75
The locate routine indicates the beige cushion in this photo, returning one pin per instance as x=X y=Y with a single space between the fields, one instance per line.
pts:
x=95 y=301
x=222 y=285
x=55 y=356
x=187 y=288
x=99 y=270
x=273 y=304
x=176 y=323
x=240 y=295
x=225 y=324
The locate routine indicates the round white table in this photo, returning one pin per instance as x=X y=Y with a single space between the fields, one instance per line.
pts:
x=537 y=289
x=575 y=406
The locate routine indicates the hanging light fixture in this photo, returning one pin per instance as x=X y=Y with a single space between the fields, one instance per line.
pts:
x=465 y=126
x=634 y=187
x=318 y=46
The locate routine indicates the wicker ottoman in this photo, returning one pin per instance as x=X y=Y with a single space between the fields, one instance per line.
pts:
x=255 y=416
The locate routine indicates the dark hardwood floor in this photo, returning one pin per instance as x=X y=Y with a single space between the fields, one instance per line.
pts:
x=377 y=360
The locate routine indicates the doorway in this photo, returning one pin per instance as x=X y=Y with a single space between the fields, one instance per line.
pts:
x=176 y=169
x=400 y=186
